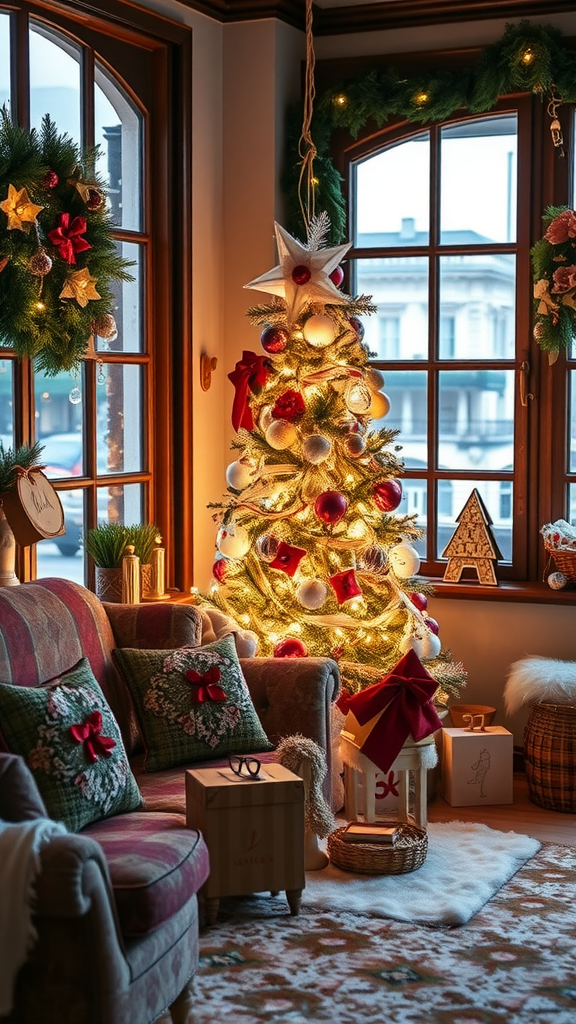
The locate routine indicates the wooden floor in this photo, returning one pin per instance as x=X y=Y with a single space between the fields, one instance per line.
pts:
x=521 y=816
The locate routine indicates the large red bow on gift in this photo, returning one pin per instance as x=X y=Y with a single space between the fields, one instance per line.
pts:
x=89 y=733
x=405 y=699
x=251 y=374
x=205 y=687
x=67 y=237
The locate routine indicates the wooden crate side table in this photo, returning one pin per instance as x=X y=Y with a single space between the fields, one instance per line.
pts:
x=254 y=830
x=360 y=769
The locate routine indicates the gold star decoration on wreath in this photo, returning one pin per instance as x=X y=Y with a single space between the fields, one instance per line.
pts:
x=19 y=209
x=80 y=286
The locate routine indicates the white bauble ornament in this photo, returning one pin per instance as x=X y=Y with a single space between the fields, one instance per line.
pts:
x=404 y=560
x=557 y=580
x=374 y=379
x=233 y=541
x=240 y=474
x=316 y=448
x=319 y=331
x=311 y=594
x=281 y=434
x=358 y=397
x=265 y=418
x=430 y=646
x=379 y=406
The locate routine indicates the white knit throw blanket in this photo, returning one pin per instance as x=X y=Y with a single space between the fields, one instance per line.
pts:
x=20 y=844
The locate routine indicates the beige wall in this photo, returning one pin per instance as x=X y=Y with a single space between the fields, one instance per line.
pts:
x=244 y=75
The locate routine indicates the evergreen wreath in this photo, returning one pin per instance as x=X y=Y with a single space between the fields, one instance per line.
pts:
x=554 y=266
x=528 y=57
x=57 y=254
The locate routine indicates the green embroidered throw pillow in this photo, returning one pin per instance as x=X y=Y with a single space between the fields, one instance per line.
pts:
x=70 y=740
x=193 y=703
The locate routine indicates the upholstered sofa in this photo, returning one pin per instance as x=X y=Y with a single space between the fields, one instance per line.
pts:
x=117 y=908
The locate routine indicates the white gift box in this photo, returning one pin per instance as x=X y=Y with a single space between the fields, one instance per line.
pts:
x=477 y=766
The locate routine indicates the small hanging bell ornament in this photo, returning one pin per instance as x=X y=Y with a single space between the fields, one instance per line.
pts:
x=557 y=137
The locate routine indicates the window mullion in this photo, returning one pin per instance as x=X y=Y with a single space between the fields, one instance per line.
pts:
x=433 y=321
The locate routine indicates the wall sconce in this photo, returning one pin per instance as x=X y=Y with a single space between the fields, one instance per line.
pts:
x=207 y=365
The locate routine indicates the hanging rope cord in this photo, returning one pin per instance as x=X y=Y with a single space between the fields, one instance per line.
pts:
x=306 y=148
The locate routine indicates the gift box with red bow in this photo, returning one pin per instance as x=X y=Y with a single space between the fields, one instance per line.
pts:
x=384 y=716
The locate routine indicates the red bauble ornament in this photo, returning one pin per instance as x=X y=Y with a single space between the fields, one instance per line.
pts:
x=95 y=199
x=50 y=179
x=219 y=569
x=432 y=625
x=274 y=339
x=287 y=558
x=301 y=274
x=357 y=326
x=290 y=647
x=420 y=601
x=337 y=276
x=330 y=507
x=345 y=585
x=387 y=495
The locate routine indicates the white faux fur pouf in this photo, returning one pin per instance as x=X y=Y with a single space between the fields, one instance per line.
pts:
x=540 y=679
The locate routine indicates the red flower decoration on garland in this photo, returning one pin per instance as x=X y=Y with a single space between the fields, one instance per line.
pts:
x=89 y=733
x=66 y=237
x=288 y=558
x=289 y=406
x=205 y=687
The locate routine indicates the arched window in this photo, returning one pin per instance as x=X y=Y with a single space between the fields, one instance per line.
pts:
x=107 y=82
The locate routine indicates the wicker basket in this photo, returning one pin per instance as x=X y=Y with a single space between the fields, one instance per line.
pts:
x=550 y=756
x=565 y=562
x=406 y=854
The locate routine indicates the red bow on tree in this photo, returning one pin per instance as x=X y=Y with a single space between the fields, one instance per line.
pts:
x=66 y=237
x=405 y=699
x=205 y=687
x=89 y=733
x=251 y=374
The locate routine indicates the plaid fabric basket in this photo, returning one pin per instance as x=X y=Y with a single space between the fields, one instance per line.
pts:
x=550 y=756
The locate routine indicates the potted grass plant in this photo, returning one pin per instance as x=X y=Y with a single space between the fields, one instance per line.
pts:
x=106 y=544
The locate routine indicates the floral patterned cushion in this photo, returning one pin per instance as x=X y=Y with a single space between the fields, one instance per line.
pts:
x=193 y=703
x=70 y=740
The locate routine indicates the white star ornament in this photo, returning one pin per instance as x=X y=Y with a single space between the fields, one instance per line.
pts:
x=303 y=275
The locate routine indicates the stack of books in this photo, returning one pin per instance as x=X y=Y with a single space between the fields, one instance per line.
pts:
x=370 y=832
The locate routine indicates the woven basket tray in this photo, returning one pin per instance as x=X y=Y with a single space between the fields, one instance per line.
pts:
x=565 y=562
x=550 y=756
x=408 y=852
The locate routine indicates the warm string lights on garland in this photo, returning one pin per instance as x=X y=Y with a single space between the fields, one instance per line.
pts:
x=58 y=257
x=313 y=553
x=528 y=57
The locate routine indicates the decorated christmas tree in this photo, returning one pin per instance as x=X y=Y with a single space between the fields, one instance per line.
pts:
x=312 y=553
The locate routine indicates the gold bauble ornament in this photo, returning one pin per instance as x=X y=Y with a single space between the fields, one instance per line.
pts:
x=354 y=445
x=358 y=397
x=374 y=379
x=316 y=448
x=379 y=406
x=281 y=434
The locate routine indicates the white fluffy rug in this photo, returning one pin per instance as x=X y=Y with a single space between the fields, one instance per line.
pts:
x=466 y=864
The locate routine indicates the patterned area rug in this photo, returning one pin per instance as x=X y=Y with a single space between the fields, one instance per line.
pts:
x=512 y=962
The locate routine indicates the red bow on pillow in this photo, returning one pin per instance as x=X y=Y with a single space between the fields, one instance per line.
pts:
x=205 y=687
x=89 y=733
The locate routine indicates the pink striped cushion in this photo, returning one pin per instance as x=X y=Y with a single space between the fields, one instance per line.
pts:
x=155 y=626
x=155 y=863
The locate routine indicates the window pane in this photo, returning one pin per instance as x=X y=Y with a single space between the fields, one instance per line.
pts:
x=54 y=81
x=572 y=423
x=475 y=419
x=407 y=391
x=572 y=504
x=6 y=402
x=119 y=419
x=400 y=287
x=4 y=60
x=121 y=504
x=478 y=181
x=414 y=497
x=401 y=172
x=128 y=306
x=63 y=555
x=477 y=307
x=59 y=423
x=119 y=136
x=491 y=492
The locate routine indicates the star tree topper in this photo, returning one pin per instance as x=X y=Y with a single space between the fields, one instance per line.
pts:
x=303 y=275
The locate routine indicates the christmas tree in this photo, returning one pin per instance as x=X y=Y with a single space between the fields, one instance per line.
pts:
x=313 y=556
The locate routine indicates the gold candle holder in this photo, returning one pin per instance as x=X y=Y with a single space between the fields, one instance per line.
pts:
x=130 y=576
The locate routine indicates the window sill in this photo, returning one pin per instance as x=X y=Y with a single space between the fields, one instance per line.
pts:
x=507 y=590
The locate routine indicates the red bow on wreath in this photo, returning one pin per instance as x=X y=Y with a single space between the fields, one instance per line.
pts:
x=66 y=237
x=205 y=687
x=250 y=374
x=89 y=733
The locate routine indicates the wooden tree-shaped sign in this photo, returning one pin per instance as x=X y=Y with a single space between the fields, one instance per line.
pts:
x=472 y=545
